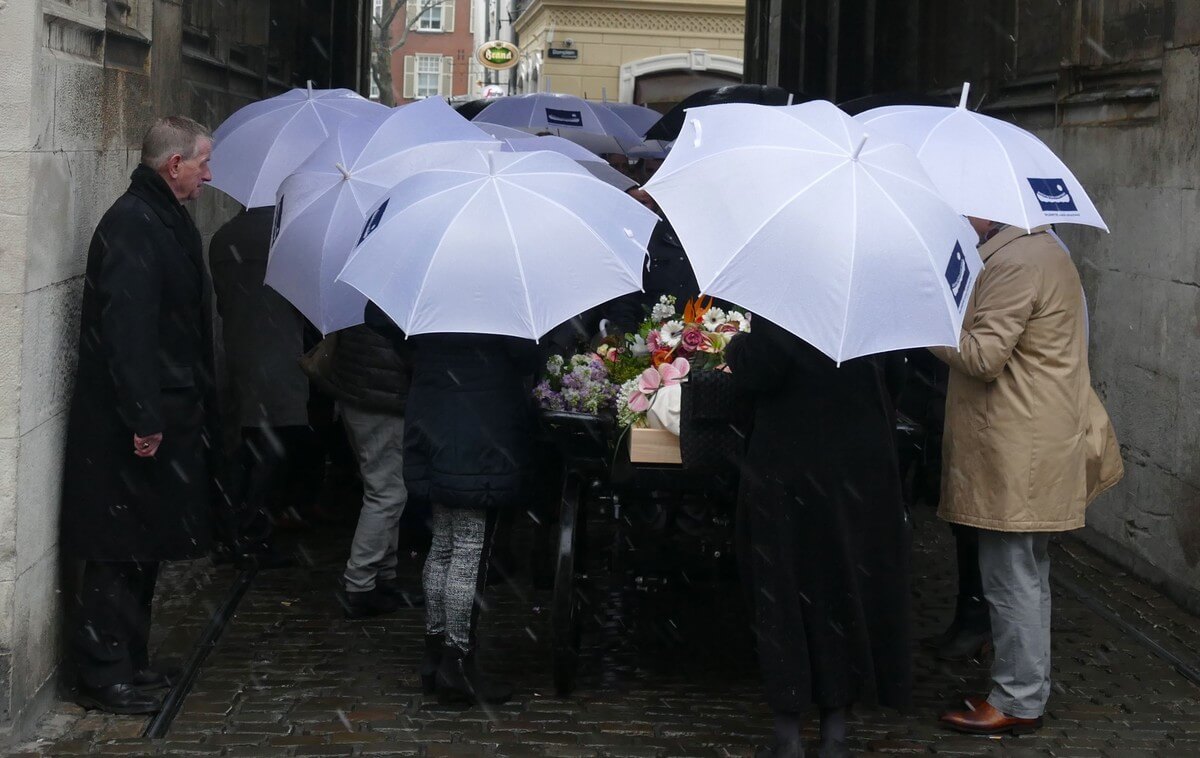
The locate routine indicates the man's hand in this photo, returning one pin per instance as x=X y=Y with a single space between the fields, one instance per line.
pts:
x=146 y=447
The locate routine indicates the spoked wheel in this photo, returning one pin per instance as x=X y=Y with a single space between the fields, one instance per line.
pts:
x=567 y=611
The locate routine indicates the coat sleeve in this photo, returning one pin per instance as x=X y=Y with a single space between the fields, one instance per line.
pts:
x=756 y=361
x=129 y=282
x=1004 y=301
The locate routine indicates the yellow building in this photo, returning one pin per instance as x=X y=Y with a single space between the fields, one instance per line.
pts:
x=650 y=52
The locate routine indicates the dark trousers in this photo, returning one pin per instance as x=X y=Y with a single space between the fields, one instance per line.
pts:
x=110 y=643
x=271 y=465
x=970 y=610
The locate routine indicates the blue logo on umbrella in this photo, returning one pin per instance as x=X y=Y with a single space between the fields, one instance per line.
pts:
x=563 y=118
x=373 y=222
x=1052 y=195
x=958 y=274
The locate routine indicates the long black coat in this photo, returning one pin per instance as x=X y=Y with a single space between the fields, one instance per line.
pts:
x=467 y=427
x=263 y=335
x=145 y=366
x=824 y=534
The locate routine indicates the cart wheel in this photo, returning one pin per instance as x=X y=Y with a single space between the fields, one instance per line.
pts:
x=568 y=596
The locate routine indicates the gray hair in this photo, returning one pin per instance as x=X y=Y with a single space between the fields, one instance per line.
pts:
x=169 y=136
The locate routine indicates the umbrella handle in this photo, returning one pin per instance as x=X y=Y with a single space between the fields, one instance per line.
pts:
x=962 y=99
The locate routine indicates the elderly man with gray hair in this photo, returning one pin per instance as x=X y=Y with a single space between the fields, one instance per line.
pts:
x=141 y=439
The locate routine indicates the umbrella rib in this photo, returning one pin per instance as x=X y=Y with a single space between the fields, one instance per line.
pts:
x=635 y=276
x=836 y=146
x=417 y=300
x=284 y=125
x=931 y=192
x=930 y=133
x=512 y=236
x=853 y=257
x=767 y=220
x=929 y=253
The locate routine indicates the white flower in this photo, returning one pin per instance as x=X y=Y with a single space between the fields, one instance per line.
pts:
x=637 y=346
x=744 y=326
x=671 y=333
x=663 y=309
x=712 y=318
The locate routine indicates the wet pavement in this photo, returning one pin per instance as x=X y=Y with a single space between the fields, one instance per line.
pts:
x=667 y=667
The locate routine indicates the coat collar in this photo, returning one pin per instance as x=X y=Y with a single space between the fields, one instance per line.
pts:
x=1003 y=237
x=146 y=184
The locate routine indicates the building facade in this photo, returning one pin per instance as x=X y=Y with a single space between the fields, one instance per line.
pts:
x=1114 y=88
x=431 y=48
x=80 y=81
x=650 y=52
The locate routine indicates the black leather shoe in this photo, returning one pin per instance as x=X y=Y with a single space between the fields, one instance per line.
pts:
x=118 y=698
x=361 y=605
x=156 y=679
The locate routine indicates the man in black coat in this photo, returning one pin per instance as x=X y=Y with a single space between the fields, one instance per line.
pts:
x=141 y=442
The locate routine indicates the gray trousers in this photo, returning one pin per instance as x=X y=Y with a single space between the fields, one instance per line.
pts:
x=1015 y=567
x=378 y=442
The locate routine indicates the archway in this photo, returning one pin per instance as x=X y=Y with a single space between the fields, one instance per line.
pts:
x=661 y=81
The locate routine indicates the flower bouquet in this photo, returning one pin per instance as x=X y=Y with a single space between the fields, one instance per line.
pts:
x=638 y=378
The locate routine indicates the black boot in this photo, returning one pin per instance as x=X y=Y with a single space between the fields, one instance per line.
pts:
x=460 y=681
x=361 y=605
x=431 y=663
x=118 y=698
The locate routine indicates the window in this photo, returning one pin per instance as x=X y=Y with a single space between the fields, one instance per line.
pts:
x=428 y=76
x=374 y=85
x=377 y=10
x=431 y=15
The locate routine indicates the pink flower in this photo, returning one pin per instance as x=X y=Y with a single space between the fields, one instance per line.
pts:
x=728 y=328
x=674 y=372
x=692 y=340
x=639 y=402
x=650 y=381
x=652 y=341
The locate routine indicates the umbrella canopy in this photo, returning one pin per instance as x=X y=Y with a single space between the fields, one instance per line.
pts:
x=594 y=164
x=669 y=125
x=596 y=128
x=794 y=214
x=986 y=167
x=499 y=243
x=258 y=146
x=321 y=208
x=639 y=117
x=867 y=102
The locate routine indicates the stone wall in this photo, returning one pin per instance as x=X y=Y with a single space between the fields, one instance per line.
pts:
x=80 y=81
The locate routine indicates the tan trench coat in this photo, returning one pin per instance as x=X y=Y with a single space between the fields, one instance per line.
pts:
x=1027 y=443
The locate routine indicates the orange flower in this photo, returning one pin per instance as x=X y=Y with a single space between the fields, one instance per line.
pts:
x=659 y=357
x=695 y=309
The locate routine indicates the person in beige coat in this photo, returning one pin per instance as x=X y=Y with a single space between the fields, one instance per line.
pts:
x=1027 y=445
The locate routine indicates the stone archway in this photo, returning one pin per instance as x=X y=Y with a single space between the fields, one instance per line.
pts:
x=666 y=79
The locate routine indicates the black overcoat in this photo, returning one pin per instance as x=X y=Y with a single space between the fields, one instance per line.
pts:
x=824 y=535
x=668 y=272
x=263 y=335
x=145 y=366
x=467 y=428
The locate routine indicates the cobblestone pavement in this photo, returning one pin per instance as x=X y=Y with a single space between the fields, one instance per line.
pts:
x=667 y=670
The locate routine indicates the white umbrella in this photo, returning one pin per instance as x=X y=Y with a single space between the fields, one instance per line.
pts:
x=258 y=146
x=499 y=243
x=517 y=141
x=639 y=117
x=595 y=127
x=794 y=214
x=594 y=164
x=986 y=167
x=321 y=208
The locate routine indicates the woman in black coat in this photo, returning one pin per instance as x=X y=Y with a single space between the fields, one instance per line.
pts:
x=467 y=445
x=824 y=535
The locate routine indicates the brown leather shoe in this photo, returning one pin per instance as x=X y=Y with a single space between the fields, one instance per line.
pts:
x=985 y=719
